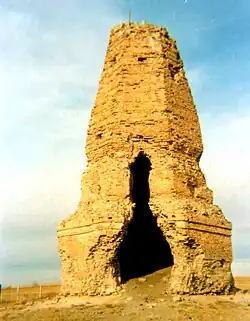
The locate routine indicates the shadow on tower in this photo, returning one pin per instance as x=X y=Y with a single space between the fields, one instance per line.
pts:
x=144 y=249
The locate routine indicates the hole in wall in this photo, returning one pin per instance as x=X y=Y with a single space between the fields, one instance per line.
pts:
x=144 y=249
x=174 y=70
x=141 y=59
x=198 y=157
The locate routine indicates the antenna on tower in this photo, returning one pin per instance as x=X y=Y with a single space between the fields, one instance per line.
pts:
x=129 y=16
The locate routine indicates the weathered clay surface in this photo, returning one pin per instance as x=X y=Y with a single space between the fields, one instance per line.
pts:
x=144 y=110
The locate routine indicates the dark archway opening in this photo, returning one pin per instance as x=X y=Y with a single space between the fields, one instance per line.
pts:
x=144 y=249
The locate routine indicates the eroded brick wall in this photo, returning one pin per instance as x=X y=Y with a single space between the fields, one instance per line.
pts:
x=144 y=103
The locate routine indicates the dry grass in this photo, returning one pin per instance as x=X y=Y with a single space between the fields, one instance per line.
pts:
x=242 y=282
x=27 y=293
x=139 y=301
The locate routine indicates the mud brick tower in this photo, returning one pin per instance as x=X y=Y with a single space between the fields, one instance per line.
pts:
x=145 y=204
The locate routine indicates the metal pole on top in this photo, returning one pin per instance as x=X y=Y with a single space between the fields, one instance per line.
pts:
x=129 y=16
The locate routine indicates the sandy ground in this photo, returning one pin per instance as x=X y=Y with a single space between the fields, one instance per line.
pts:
x=141 y=299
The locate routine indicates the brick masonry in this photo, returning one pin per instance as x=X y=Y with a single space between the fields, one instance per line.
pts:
x=144 y=104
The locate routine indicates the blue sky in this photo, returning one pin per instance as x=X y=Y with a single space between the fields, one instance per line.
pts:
x=51 y=57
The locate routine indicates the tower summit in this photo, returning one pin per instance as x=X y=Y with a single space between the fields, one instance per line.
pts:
x=145 y=205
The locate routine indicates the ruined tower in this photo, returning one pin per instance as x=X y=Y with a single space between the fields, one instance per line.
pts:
x=145 y=204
